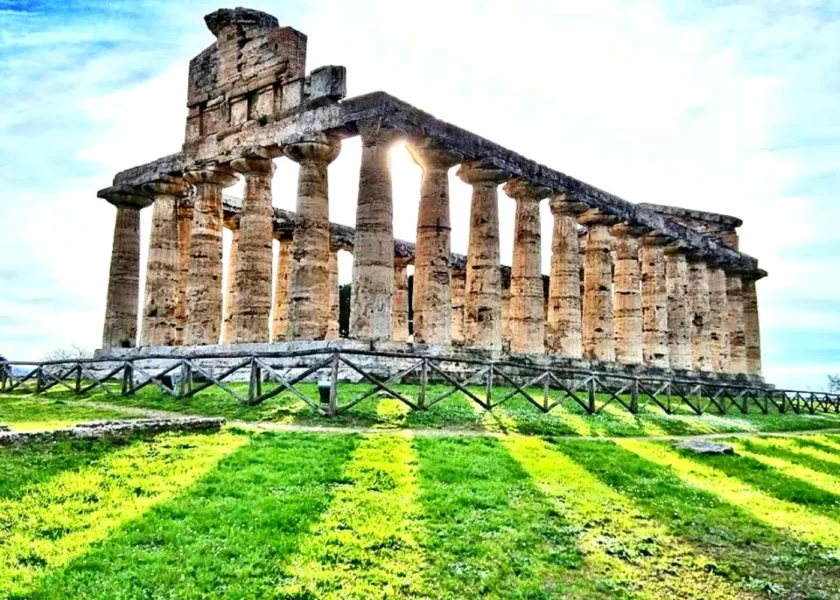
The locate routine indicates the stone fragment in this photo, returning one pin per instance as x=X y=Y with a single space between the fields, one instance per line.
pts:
x=432 y=283
x=705 y=447
x=309 y=304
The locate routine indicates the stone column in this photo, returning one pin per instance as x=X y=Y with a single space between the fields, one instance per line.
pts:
x=120 y=330
x=232 y=284
x=506 y=313
x=718 y=315
x=628 y=294
x=332 y=323
x=432 y=284
x=282 y=287
x=458 y=287
x=737 y=341
x=252 y=294
x=679 y=320
x=185 y=216
x=204 y=279
x=598 y=313
x=310 y=296
x=564 y=323
x=698 y=300
x=483 y=287
x=371 y=306
x=527 y=325
x=654 y=302
x=400 y=306
x=752 y=330
x=159 y=326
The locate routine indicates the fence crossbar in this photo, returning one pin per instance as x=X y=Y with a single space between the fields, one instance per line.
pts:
x=382 y=386
x=218 y=381
x=289 y=384
x=517 y=389
x=453 y=390
x=458 y=385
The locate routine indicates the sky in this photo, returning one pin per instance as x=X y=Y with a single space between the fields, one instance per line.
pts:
x=728 y=106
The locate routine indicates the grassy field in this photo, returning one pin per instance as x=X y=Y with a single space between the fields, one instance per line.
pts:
x=389 y=515
x=395 y=514
x=23 y=413
x=458 y=411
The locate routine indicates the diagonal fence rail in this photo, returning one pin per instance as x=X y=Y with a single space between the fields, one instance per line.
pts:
x=254 y=378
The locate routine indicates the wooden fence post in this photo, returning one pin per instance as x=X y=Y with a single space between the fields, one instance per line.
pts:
x=590 y=387
x=634 y=396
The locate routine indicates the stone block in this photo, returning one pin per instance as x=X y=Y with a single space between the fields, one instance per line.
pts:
x=705 y=447
x=328 y=84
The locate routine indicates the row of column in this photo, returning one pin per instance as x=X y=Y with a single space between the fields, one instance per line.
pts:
x=643 y=300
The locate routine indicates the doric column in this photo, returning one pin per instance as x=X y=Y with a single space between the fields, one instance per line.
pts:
x=120 y=330
x=752 y=330
x=506 y=312
x=565 y=323
x=204 y=279
x=232 y=284
x=598 y=313
x=679 y=319
x=483 y=287
x=400 y=306
x=310 y=296
x=628 y=294
x=718 y=319
x=371 y=306
x=698 y=300
x=654 y=302
x=282 y=287
x=332 y=322
x=527 y=325
x=159 y=326
x=737 y=341
x=252 y=294
x=458 y=287
x=432 y=284
x=185 y=216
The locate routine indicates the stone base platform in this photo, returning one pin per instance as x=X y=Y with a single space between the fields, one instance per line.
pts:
x=385 y=359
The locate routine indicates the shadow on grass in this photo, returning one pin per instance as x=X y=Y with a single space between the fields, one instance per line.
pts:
x=745 y=550
x=228 y=535
x=796 y=457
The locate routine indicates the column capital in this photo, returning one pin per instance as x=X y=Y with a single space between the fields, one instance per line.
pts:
x=522 y=189
x=374 y=132
x=595 y=216
x=126 y=196
x=655 y=239
x=564 y=204
x=212 y=173
x=429 y=155
x=169 y=186
x=253 y=164
x=675 y=247
x=318 y=148
x=628 y=230
x=482 y=173
x=753 y=275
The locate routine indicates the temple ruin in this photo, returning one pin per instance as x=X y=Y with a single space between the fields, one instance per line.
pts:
x=631 y=286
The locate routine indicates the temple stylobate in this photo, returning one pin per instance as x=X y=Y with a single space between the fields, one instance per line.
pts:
x=635 y=286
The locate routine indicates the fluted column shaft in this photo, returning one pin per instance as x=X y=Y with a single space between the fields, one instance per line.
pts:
x=309 y=308
x=698 y=275
x=371 y=307
x=231 y=299
x=527 y=323
x=679 y=310
x=204 y=279
x=752 y=330
x=332 y=323
x=400 y=304
x=120 y=329
x=458 y=289
x=282 y=289
x=718 y=319
x=628 y=295
x=598 y=311
x=483 y=286
x=159 y=325
x=737 y=342
x=185 y=216
x=654 y=302
x=506 y=315
x=252 y=294
x=432 y=280
x=564 y=335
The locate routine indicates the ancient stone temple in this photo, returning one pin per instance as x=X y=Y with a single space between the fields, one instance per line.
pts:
x=628 y=286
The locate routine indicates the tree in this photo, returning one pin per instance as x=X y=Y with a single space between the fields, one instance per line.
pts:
x=68 y=353
x=834 y=383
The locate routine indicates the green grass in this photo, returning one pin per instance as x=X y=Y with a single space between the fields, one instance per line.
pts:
x=389 y=515
x=459 y=411
x=22 y=413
